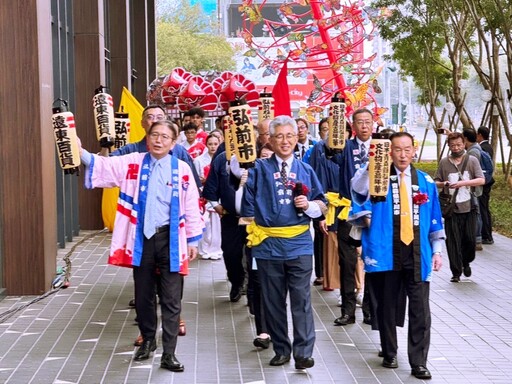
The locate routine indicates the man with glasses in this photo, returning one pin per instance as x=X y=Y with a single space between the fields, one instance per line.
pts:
x=281 y=243
x=151 y=114
x=156 y=192
x=353 y=157
x=304 y=143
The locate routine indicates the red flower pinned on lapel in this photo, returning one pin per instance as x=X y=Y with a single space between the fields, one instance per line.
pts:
x=419 y=198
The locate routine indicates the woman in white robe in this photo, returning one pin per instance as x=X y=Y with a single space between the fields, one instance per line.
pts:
x=209 y=245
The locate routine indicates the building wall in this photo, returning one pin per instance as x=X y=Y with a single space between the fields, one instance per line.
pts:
x=27 y=173
x=28 y=177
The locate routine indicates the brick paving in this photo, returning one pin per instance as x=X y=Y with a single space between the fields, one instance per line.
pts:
x=84 y=334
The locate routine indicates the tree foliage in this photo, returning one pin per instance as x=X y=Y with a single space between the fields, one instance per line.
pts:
x=185 y=39
x=437 y=42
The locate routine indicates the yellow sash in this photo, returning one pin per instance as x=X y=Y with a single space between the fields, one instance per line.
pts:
x=334 y=201
x=256 y=234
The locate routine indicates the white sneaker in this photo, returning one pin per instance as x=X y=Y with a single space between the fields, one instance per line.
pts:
x=339 y=301
x=359 y=299
x=205 y=257
x=216 y=256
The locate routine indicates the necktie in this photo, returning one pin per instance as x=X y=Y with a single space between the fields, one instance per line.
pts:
x=303 y=152
x=149 y=216
x=284 y=176
x=406 y=232
x=362 y=153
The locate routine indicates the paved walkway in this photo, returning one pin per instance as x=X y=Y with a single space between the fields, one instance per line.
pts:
x=84 y=334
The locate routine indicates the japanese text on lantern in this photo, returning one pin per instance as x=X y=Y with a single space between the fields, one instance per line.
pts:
x=379 y=167
x=64 y=141
x=228 y=137
x=266 y=108
x=243 y=133
x=122 y=129
x=101 y=105
x=337 y=125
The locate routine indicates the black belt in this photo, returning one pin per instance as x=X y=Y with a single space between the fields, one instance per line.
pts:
x=163 y=228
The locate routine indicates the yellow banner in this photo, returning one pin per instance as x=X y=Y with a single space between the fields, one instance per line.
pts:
x=131 y=106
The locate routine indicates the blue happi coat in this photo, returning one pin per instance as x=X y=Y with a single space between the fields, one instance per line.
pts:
x=270 y=202
x=377 y=239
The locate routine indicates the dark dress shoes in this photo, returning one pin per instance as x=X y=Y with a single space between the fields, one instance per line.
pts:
x=131 y=303
x=421 y=372
x=145 y=350
x=390 y=363
x=318 y=281
x=170 y=362
x=455 y=279
x=261 y=342
x=344 y=320
x=304 y=362
x=235 y=294
x=367 y=320
x=467 y=270
x=278 y=360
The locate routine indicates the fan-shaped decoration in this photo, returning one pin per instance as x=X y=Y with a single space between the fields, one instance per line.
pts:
x=322 y=40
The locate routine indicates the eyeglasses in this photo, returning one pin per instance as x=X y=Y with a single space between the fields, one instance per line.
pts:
x=162 y=136
x=367 y=123
x=302 y=127
x=155 y=117
x=281 y=137
x=399 y=151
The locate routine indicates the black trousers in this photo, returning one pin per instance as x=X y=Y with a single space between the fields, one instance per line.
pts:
x=318 y=248
x=154 y=270
x=460 y=240
x=485 y=213
x=386 y=287
x=348 y=261
x=233 y=237
x=254 y=295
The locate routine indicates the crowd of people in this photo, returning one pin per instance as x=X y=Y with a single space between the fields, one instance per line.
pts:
x=303 y=208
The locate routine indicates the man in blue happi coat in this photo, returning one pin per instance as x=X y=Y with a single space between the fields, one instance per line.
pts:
x=282 y=195
x=401 y=244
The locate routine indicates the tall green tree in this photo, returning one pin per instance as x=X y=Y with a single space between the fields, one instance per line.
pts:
x=185 y=39
x=415 y=34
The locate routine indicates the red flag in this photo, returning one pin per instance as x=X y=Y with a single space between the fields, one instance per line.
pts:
x=281 y=93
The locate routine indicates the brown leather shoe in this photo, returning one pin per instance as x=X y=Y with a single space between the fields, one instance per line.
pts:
x=182 y=329
x=138 y=341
